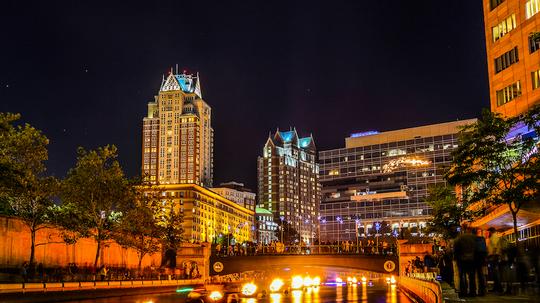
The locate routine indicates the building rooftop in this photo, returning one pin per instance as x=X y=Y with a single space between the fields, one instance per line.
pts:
x=265 y=211
x=187 y=83
x=373 y=137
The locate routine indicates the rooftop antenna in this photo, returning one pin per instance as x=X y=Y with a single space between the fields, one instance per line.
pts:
x=177 y=68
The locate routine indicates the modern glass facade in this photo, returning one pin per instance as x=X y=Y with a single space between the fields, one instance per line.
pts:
x=381 y=179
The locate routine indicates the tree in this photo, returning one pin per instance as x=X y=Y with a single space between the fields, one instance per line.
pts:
x=170 y=220
x=290 y=234
x=24 y=190
x=448 y=212
x=497 y=161
x=96 y=193
x=139 y=229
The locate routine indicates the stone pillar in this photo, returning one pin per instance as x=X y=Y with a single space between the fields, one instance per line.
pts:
x=207 y=251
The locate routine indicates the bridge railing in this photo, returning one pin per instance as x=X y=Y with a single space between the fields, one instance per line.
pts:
x=305 y=250
x=425 y=291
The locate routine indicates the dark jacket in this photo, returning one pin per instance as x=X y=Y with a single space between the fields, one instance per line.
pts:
x=464 y=248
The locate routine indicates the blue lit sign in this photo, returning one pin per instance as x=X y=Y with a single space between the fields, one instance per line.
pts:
x=363 y=134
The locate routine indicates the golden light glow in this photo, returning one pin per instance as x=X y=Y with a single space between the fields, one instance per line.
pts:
x=276 y=298
x=307 y=281
x=297 y=282
x=404 y=162
x=364 y=280
x=276 y=285
x=393 y=280
x=249 y=289
x=339 y=280
x=215 y=295
x=297 y=296
x=317 y=281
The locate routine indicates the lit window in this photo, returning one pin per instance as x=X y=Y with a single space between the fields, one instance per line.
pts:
x=505 y=60
x=495 y=3
x=535 y=79
x=534 y=42
x=531 y=8
x=508 y=93
x=504 y=27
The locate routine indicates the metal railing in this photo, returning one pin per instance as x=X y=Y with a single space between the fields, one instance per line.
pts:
x=68 y=286
x=306 y=250
x=426 y=291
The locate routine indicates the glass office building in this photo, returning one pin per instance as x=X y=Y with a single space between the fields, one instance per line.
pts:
x=378 y=182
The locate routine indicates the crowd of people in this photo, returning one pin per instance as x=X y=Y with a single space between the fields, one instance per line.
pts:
x=87 y=272
x=364 y=246
x=474 y=257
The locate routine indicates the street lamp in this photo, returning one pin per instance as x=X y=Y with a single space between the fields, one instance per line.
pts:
x=339 y=222
x=323 y=221
x=377 y=227
x=281 y=218
x=228 y=236
x=356 y=230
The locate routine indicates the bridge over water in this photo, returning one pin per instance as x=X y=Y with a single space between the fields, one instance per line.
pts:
x=378 y=261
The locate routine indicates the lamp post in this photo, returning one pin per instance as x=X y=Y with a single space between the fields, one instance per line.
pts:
x=357 y=222
x=377 y=227
x=323 y=221
x=281 y=218
x=339 y=221
x=228 y=236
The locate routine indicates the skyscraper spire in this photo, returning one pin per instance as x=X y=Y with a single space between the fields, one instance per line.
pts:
x=197 y=90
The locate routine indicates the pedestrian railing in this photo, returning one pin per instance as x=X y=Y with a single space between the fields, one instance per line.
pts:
x=69 y=286
x=306 y=250
x=428 y=276
x=422 y=290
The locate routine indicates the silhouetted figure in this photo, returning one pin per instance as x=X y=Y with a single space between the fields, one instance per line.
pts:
x=464 y=247
x=480 y=255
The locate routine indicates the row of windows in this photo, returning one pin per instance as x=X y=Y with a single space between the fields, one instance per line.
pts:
x=508 y=93
x=504 y=27
x=505 y=60
x=532 y=7
x=535 y=79
x=494 y=3
x=534 y=42
x=385 y=146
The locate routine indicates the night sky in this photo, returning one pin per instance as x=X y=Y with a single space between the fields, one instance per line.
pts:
x=84 y=75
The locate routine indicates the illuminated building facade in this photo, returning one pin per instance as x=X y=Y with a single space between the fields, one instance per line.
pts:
x=177 y=134
x=513 y=42
x=237 y=193
x=266 y=227
x=512 y=30
x=288 y=182
x=208 y=215
x=383 y=178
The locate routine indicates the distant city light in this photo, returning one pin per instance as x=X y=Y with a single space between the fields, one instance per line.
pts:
x=404 y=162
x=363 y=134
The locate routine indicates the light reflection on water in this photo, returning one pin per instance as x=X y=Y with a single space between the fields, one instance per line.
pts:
x=361 y=293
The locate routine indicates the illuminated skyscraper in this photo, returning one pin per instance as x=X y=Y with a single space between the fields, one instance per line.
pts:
x=177 y=134
x=289 y=184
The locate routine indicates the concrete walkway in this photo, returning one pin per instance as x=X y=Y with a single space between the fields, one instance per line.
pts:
x=532 y=294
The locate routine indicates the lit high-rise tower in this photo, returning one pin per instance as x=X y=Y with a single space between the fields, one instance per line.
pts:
x=289 y=183
x=177 y=134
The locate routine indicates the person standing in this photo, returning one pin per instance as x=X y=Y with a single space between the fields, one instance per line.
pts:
x=480 y=255
x=494 y=259
x=464 y=247
x=24 y=271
